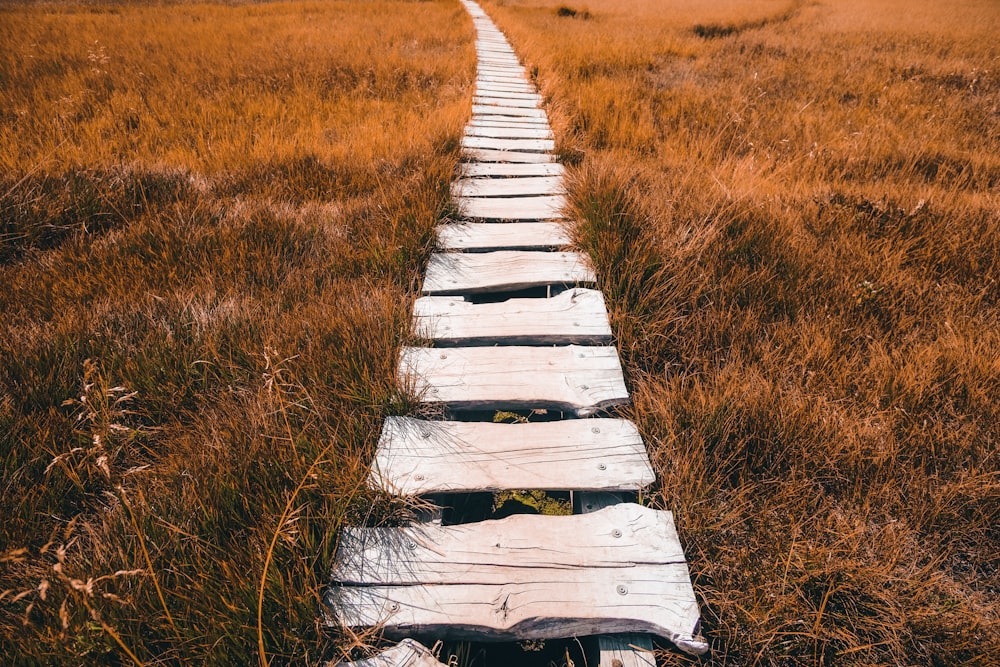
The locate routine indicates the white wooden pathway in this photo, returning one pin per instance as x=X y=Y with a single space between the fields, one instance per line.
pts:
x=510 y=320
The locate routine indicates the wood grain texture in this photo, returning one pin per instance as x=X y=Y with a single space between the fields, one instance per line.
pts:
x=407 y=653
x=577 y=315
x=497 y=101
x=617 y=570
x=416 y=456
x=486 y=155
x=485 y=236
x=507 y=121
x=527 y=145
x=508 y=187
x=508 y=132
x=573 y=378
x=503 y=271
x=541 y=207
x=494 y=110
x=503 y=170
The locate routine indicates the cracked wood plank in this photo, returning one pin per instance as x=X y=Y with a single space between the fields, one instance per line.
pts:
x=575 y=316
x=417 y=456
x=508 y=132
x=483 y=155
x=485 y=236
x=491 y=143
x=573 y=378
x=503 y=271
x=508 y=187
x=502 y=170
x=524 y=577
x=540 y=207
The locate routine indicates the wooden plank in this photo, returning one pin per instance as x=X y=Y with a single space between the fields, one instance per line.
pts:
x=497 y=101
x=508 y=187
x=452 y=273
x=624 y=650
x=506 y=87
x=479 y=109
x=509 y=132
x=407 y=653
x=573 y=378
x=484 y=120
x=532 y=96
x=523 y=577
x=481 y=236
x=524 y=145
x=418 y=457
x=501 y=170
x=577 y=315
x=487 y=155
x=542 y=207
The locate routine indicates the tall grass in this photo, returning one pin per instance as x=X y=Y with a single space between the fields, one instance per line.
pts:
x=793 y=209
x=213 y=217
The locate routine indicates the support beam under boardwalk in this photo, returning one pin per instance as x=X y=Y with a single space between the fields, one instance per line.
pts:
x=620 y=569
x=571 y=378
x=416 y=456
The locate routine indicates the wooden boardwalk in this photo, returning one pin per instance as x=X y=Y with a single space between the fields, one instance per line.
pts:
x=510 y=321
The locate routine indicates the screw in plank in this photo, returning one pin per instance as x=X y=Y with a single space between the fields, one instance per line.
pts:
x=425 y=434
x=584 y=387
x=622 y=589
x=434 y=390
x=444 y=356
x=418 y=478
x=601 y=466
x=411 y=545
x=616 y=533
x=595 y=430
x=394 y=606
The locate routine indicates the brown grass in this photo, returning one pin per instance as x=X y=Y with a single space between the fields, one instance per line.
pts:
x=212 y=220
x=793 y=209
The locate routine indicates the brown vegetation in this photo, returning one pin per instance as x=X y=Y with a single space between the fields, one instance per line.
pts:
x=212 y=217
x=793 y=209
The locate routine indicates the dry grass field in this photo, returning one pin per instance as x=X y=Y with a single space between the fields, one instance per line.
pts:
x=214 y=217
x=795 y=211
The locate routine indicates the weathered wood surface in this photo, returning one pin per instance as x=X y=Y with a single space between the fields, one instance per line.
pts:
x=508 y=187
x=508 y=121
x=526 y=145
x=486 y=87
x=623 y=650
x=416 y=456
x=534 y=97
x=503 y=170
x=488 y=155
x=483 y=236
x=407 y=653
x=540 y=577
x=573 y=378
x=541 y=207
x=496 y=101
x=493 y=110
x=451 y=273
x=507 y=132
x=577 y=315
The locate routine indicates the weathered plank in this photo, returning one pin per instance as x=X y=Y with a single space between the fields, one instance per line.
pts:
x=480 y=109
x=484 y=120
x=508 y=187
x=571 y=378
x=502 y=75
x=416 y=456
x=542 y=207
x=622 y=650
x=407 y=653
x=489 y=155
x=450 y=273
x=482 y=236
x=508 y=132
x=539 y=577
x=525 y=87
x=498 y=101
x=504 y=170
x=525 y=145
x=577 y=315
x=533 y=97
